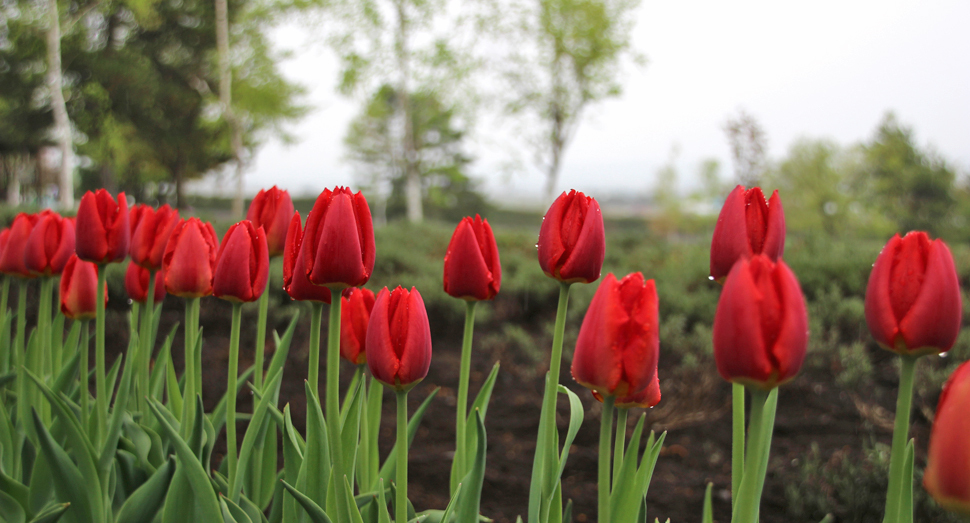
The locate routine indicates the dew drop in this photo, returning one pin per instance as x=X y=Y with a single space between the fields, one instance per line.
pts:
x=710 y=278
x=944 y=354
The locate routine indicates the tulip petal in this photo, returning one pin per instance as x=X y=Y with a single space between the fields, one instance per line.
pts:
x=585 y=261
x=739 y=349
x=934 y=318
x=466 y=274
x=947 y=474
x=416 y=354
x=232 y=279
x=789 y=349
x=774 y=244
x=381 y=359
x=730 y=241
x=879 y=311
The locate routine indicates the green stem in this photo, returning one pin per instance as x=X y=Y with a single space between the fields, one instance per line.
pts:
x=44 y=363
x=189 y=373
x=231 y=395
x=461 y=418
x=19 y=357
x=313 y=363
x=197 y=344
x=4 y=294
x=401 y=498
x=904 y=401
x=333 y=404
x=606 y=436
x=261 y=338
x=145 y=349
x=101 y=390
x=748 y=502
x=620 y=448
x=737 y=442
x=85 y=347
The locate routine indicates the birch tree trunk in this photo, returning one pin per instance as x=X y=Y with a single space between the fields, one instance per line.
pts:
x=62 y=124
x=225 y=98
x=412 y=178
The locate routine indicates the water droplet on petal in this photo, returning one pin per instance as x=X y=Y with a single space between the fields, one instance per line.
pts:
x=710 y=278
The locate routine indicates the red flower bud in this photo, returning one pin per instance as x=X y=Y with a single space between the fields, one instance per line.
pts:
x=102 y=227
x=761 y=327
x=50 y=244
x=747 y=226
x=645 y=400
x=355 y=309
x=136 y=283
x=947 y=475
x=79 y=289
x=150 y=230
x=339 y=239
x=913 y=303
x=472 y=268
x=242 y=265
x=572 y=243
x=399 y=338
x=272 y=209
x=12 y=257
x=295 y=282
x=190 y=259
x=619 y=343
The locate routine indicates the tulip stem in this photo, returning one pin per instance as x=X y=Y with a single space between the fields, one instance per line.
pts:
x=461 y=458
x=192 y=387
x=737 y=442
x=606 y=433
x=19 y=356
x=748 y=503
x=620 y=448
x=84 y=346
x=231 y=396
x=904 y=401
x=4 y=294
x=333 y=405
x=261 y=337
x=101 y=391
x=401 y=497
x=44 y=362
x=313 y=364
x=145 y=352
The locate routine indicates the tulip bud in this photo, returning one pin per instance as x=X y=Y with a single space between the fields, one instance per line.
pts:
x=272 y=210
x=355 y=310
x=136 y=283
x=761 y=327
x=399 y=339
x=79 y=289
x=102 y=228
x=339 y=239
x=150 y=231
x=747 y=226
x=12 y=258
x=572 y=243
x=645 y=400
x=295 y=282
x=947 y=474
x=50 y=244
x=242 y=265
x=190 y=259
x=619 y=343
x=472 y=267
x=913 y=303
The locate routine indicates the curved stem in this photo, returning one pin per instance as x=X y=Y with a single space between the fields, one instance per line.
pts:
x=101 y=392
x=84 y=346
x=606 y=436
x=737 y=441
x=620 y=448
x=231 y=396
x=333 y=404
x=144 y=341
x=461 y=417
x=19 y=357
x=313 y=363
x=261 y=337
x=401 y=498
x=904 y=401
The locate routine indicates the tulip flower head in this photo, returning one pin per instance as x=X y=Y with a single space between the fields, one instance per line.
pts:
x=761 y=326
x=50 y=244
x=12 y=257
x=913 y=302
x=295 y=281
x=190 y=259
x=339 y=239
x=399 y=338
x=136 y=283
x=150 y=231
x=472 y=267
x=242 y=265
x=619 y=344
x=747 y=226
x=79 y=289
x=947 y=475
x=272 y=210
x=103 y=229
x=572 y=243
x=645 y=400
x=355 y=310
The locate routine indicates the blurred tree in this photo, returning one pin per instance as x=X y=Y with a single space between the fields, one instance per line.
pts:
x=375 y=150
x=749 y=148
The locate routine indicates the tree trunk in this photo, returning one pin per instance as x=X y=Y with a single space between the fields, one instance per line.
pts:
x=62 y=125
x=412 y=178
x=179 y=198
x=225 y=98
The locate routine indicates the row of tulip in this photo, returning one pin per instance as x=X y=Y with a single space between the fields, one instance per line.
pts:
x=115 y=465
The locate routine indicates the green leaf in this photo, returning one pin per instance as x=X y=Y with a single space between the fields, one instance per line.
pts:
x=382 y=515
x=626 y=495
x=257 y=425
x=316 y=462
x=469 y=503
x=11 y=511
x=157 y=378
x=51 y=514
x=708 y=515
x=906 y=488
x=390 y=462
x=218 y=415
x=142 y=505
x=117 y=413
x=15 y=489
x=69 y=484
x=172 y=388
x=350 y=430
x=282 y=346
x=231 y=512
x=576 y=414
x=316 y=513
x=648 y=463
x=352 y=507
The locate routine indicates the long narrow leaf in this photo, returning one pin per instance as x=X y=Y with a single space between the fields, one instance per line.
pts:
x=316 y=513
x=390 y=462
x=252 y=434
x=69 y=483
x=469 y=502
x=51 y=514
x=145 y=502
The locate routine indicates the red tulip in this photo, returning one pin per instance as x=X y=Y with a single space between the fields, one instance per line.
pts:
x=102 y=226
x=572 y=243
x=12 y=258
x=242 y=265
x=645 y=400
x=4 y=238
x=761 y=327
x=399 y=338
x=947 y=475
x=913 y=303
x=150 y=230
x=619 y=343
x=747 y=226
x=136 y=283
x=79 y=289
x=190 y=259
x=50 y=244
x=272 y=210
x=355 y=311
x=472 y=267
x=295 y=282
x=340 y=240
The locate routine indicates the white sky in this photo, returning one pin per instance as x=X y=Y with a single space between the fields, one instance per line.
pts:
x=821 y=69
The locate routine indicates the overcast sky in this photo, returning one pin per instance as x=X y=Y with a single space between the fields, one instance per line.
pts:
x=827 y=69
